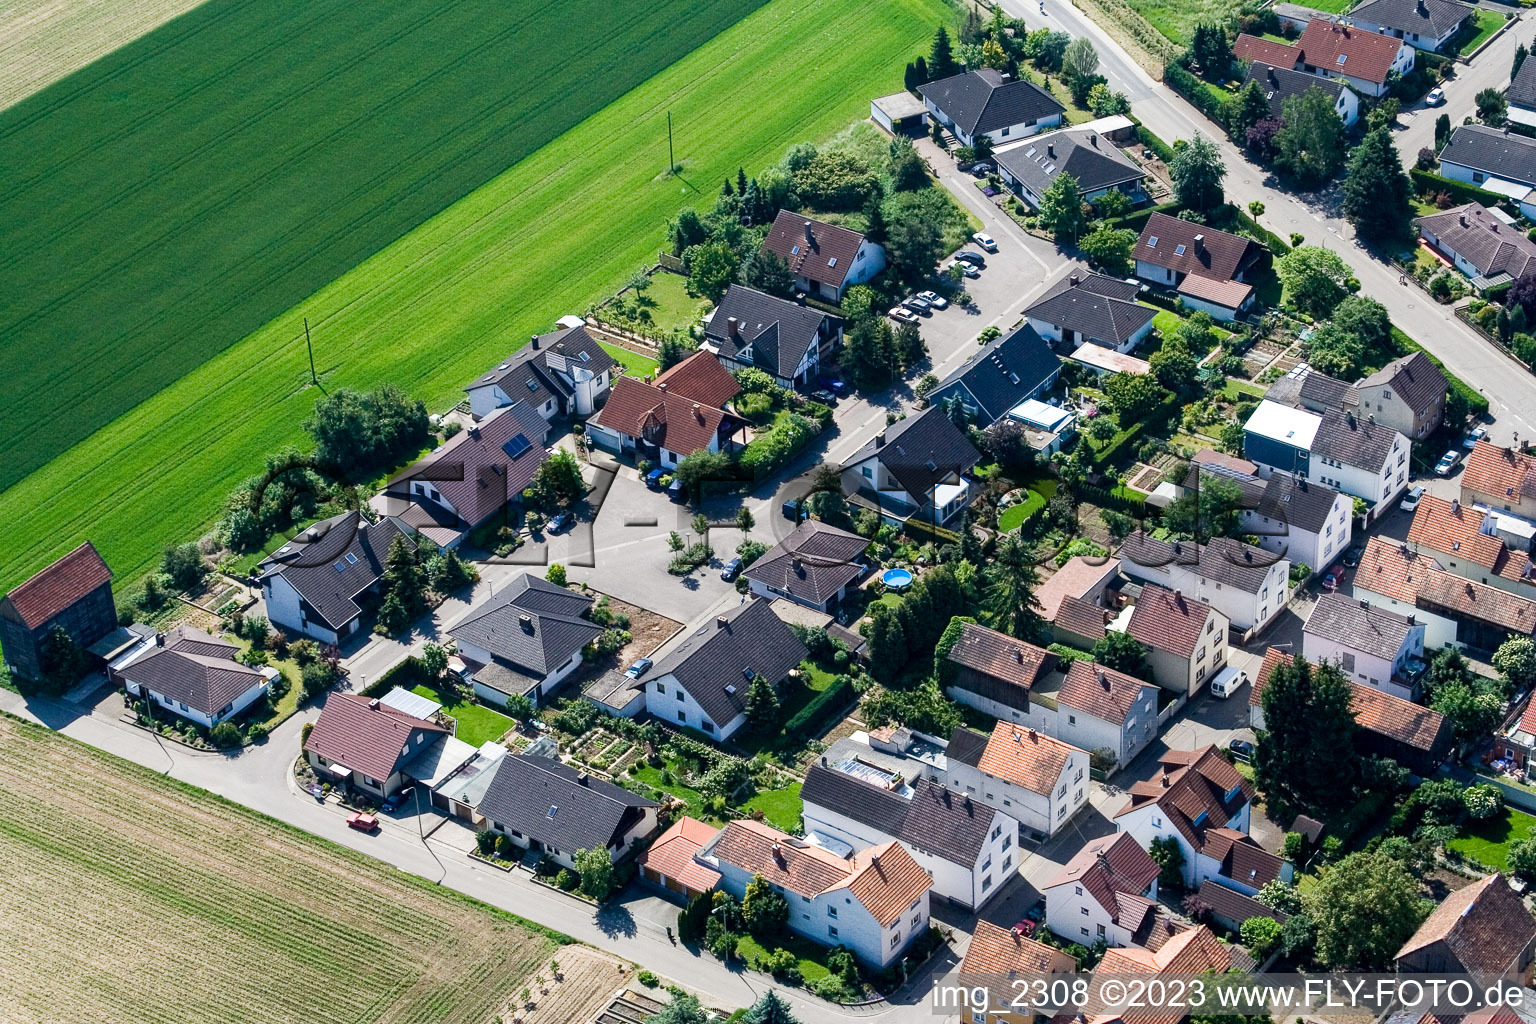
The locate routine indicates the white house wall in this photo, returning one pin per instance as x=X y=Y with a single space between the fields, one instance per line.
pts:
x=283 y=609
x=668 y=701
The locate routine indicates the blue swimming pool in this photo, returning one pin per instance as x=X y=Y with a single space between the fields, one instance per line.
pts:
x=896 y=579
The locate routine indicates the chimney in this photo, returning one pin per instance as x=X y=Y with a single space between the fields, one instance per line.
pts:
x=374 y=704
x=1200 y=243
x=1074 y=280
x=159 y=639
x=526 y=621
x=808 y=236
x=1018 y=655
x=1050 y=150
x=730 y=327
x=1455 y=506
x=800 y=298
x=823 y=760
x=698 y=412
x=1093 y=140
x=1104 y=680
x=1034 y=737
x=1005 y=77
x=1462 y=217
x=559 y=346
x=534 y=341
x=880 y=439
x=1165 y=780
x=581 y=778
x=474 y=432
x=778 y=853
x=720 y=621
x=661 y=386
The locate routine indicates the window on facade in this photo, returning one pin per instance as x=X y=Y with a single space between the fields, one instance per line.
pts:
x=1347 y=661
x=917 y=919
x=1071 y=719
x=1007 y=842
x=1083 y=911
x=831 y=911
x=1077 y=890
x=707 y=725
x=986 y=865
x=661 y=688
x=986 y=883
x=1200 y=654
x=831 y=931
x=895 y=940
x=1008 y=862
x=682 y=716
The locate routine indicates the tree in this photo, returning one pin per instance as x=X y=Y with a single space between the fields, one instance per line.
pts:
x=1080 y=66
x=1261 y=935
x=1335 y=351
x=1520 y=54
x=1306 y=759
x=1280 y=895
x=314 y=678
x=1213 y=511
x=687 y=230
x=1104 y=102
x=764 y=911
x=693 y=470
x=770 y=1008
x=994 y=56
x=1197 y=170
x=434 y=660
x=767 y=272
x=1250 y=107
x=924 y=708
x=712 y=267
x=1523 y=294
x=1174 y=368
x=1442 y=129
x=1053 y=51
x=941 y=59
x=1492 y=107
x=1011 y=581
x=1133 y=396
x=596 y=869
x=1314 y=279
x=1366 y=906
x=1169 y=857
x=683 y=1009
x=1260 y=139
x=909 y=347
x=913 y=247
x=673 y=350
x=556 y=574
x=1310 y=148
x=762 y=706
x=1472 y=710
x=1377 y=192
x=1061 y=208
x=869 y=354
x=365 y=431
x=185 y=566
x=907 y=170
x=1522 y=858
x=1210 y=51
x=1121 y=652
x=1516 y=661
x=60 y=657
x=405 y=588
x=1109 y=249
x=1367 y=321
x=559 y=478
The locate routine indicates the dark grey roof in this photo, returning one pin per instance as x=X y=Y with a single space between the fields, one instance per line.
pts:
x=1320 y=391
x=932 y=818
x=921 y=451
x=335 y=560
x=531 y=626
x=1414 y=377
x=1004 y=373
x=1522 y=91
x=203 y=682
x=541 y=361
x=981 y=101
x=1497 y=250
x=1227 y=561
x=557 y=805
x=1353 y=441
x=1432 y=18
x=1511 y=157
x=1092 y=160
x=778 y=330
x=1359 y=625
x=716 y=663
x=1093 y=305
x=1280 y=84
x=812 y=563
x=966 y=746
x=1301 y=503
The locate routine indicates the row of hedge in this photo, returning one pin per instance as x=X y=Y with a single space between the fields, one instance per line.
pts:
x=1426 y=182
x=1148 y=138
x=1121 y=499
x=1182 y=81
x=1137 y=219
x=809 y=719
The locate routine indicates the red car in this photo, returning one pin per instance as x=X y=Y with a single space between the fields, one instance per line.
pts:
x=363 y=822
x=1333 y=578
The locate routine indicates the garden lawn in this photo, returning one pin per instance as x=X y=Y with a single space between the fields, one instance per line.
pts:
x=477 y=723
x=430 y=310
x=1331 y=6
x=673 y=307
x=809 y=954
x=1176 y=19
x=1487 y=23
x=1235 y=389
x=1488 y=841
x=635 y=364
x=780 y=806
x=692 y=797
x=1014 y=516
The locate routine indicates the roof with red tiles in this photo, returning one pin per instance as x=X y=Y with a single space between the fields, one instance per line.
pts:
x=1368 y=56
x=671 y=854
x=1104 y=693
x=643 y=410
x=1198 y=791
x=1166 y=620
x=700 y=378
x=1074 y=579
x=995 y=950
x=1107 y=866
x=1500 y=473
x=60 y=585
x=813 y=249
x=1254 y=48
x=1485 y=926
x=372 y=740
x=1455 y=530
x=1408 y=723
x=1026 y=757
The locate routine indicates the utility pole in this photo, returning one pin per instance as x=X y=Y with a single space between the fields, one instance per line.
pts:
x=671 y=160
x=312 y=378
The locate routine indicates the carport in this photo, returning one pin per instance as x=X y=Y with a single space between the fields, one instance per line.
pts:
x=899 y=113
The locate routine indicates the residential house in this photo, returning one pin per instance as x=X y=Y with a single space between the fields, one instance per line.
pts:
x=1409 y=733
x=1408 y=395
x=1422 y=24
x=1189 y=953
x=1305 y=388
x=1494 y=160
x=320 y=582
x=1247 y=585
x=1046 y=427
x=1454 y=610
x=989 y=103
x=74 y=592
x=367 y=744
x=1482 y=930
x=1464 y=541
x=1281 y=83
x=194 y=675
x=1230 y=908
x=524 y=640
x=995 y=953
x=1106 y=712
x=702 y=682
x=473 y=477
x=700 y=378
x=1080 y=623
x=914 y=469
x=1185 y=638
x=1082 y=578
x=1500 y=478
x=1202 y=803
x=1107 y=892
x=1338 y=448
x=1211 y=461
x=1038 y=781
x=563 y=373
x=966 y=847
x=670 y=863
x=874 y=902
x=1258 y=50
x=1522 y=96
x=559 y=811
x=1370 y=645
x=1204 y=266
x=813 y=566
x=750 y=329
x=1303 y=521
x=1365 y=60
x=1485 y=247
x=994 y=673
x=1030 y=167
x=1092 y=308
x=825 y=259
x=650 y=422
x=1009 y=371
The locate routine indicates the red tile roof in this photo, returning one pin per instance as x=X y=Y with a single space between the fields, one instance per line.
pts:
x=1080 y=617
x=1267 y=51
x=1193 y=782
x=1108 y=866
x=1191 y=952
x=1368 y=55
x=1485 y=926
x=1102 y=692
x=671 y=421
x=1501 y=474
x=368 y=739
x=671 y=854
x=1001 y=656
x=60 y=585
x=1443 y=591
x=1389 y=569
x=1168 y=621
x=1026 y=757
x=700 y=378
x=1454 y=530
x=824 y=257
x=1075 y=579
x=995 y=950
x=1408 y=723
x=1219 y=255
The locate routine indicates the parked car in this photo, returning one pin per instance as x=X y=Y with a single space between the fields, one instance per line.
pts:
x=824 y=397
x=1435 y=98
x=1411 y=499
x=1447 y=462
x=639 y=668
x=791 y=510
x=1025 y=928
x=732 y=570
x=1228 y=681
x=1332 y=578
x=653 y=478
x=917 y=304
x=976 y=259
x=984 y=240
x=965 y=268
x=1475 y=435
x=1242 y=748
x=362 y=822
x=560 y=521
x=935 y=300
x=1354 y=553
x=834 y=385
x=903 y=315
x=980 y=168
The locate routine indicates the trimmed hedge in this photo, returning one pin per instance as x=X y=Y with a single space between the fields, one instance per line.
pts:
x=1121 y=498
x=1474 y=399
x=1182 y=81
x=405 y=675
x=1425 y=182
x=1276 y=245
x=1148 y=138
x=1137 y=219
x=833 y=699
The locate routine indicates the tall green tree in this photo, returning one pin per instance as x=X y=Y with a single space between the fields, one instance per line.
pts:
x=1377 y=192
x=1061 y=208
x=684 y=1008
x=1306 y=758
x=1080 y=67
x=1492 y=107
x=941 y=59
x=1211 y=51
x=766 y=271
x=1250 y=107
x=762 y=706
x=1011 y=582
x=770 y=1008
x=1109 y=249
x=1133 y=396
x=361 y=432
x=59 y=657
x=1366 y=906
x=712 y=267
x=1516 y=660
x=764 y=910
x=869 y=354
x=405 y=589
x=596 y=869
x=1197 y=171
x=1314 y=279
x=1310 y=148
x=1123 y=653
x=1520 y=54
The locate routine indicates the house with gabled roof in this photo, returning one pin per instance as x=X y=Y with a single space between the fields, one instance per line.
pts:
x=1465 y=541
x=1230 y=908
x=1454 y=609
x=1189 y=953
x=1282 y=82
x=562 y=373
x=1423 y=24
x=367 y=744
x=1185 y=638
x=1038 y=781
x=559 y=811
x=1085 y=579
x=1032 y=166
x=194 y=675
x=1489 y=251
x=1008 y=371
x=1500 y=478
x=1092 y=308
x=1303 y=520
x=700 y=378
x=74 y=592
x=813 y=566
x=1366 y=60
x=1204 y=266
x=986 y=102
x=1342 y=447
x=1106 y=892
x=1482 y=930
x=648 y=421
x=1373 y=646
x=994 y=673
x=670 y=863
x=1494 y=160
x=749 y=329
x=1408 y=395
x=873 y=902
x=996 y=952
x=1247 y=585
x=1522 y=96
x=1102 y=710
x=321 y=582
x=1258 y=50
x=825 y=259
x=915 y=468
x=524 y=640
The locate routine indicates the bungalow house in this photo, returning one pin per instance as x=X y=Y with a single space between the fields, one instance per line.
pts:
x=1464 y=541
x=994 y=673
x=473 y=477
x=74 y=592
x=367 y=744
x=319 y=583
x=559 y=811
x=989 y=103
x=1408 y=395
x=564 y=373
x=1032 y=166
x=998 y=953
x=1107 y=712
x=1409 y=733
x=1339 y=448
x=1500 y=478
x=1247 y=585
x=1202 y=803
x=963 y=845
x=1489 y=250
x=1204 y=266
x=1370 y=645
x=1107 y=892
x=700 y=378
x=1186 y=639
x=1038 y=781
x=648 y=421
x=1482 y=930
x=194 y=674
x=1454 y=610
x=1008 y=371
x=670 y=863
x=1283 y=83
x=1494 y=160
x=1094 y=309
x=874 y=902
x=1423 y=24
x=702 y=682
x=1522 y=96
x=753 y=330
x=825 y=259
x=524 y=640
x=914 y=469
x=1365 y=60
x=813 y=566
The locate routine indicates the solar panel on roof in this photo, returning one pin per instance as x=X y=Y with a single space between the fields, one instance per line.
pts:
x=517 y=446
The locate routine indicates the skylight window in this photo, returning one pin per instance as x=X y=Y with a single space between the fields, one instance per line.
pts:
x=1152 y=242
x=1342 y=58
x=1179 y=251
x=533 y=385
x=832 y=262
x=341 y=566
x=586 y=357
x=552 y=809
x=517 y=446
x=794 y=250
x=351 y=558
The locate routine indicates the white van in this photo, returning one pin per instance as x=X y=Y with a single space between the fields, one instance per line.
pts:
x=1228 y=681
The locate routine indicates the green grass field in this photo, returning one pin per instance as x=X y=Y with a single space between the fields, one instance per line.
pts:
x=477 y=723
x=176 y=195
x=433 y=309
x=1177 y=20
x=1489 y=840
x=1487 y=23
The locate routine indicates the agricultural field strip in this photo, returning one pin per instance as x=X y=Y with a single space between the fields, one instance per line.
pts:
x=434 y=308
x=156 y=879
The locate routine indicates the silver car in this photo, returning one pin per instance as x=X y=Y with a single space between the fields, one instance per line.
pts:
x=934 y=299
